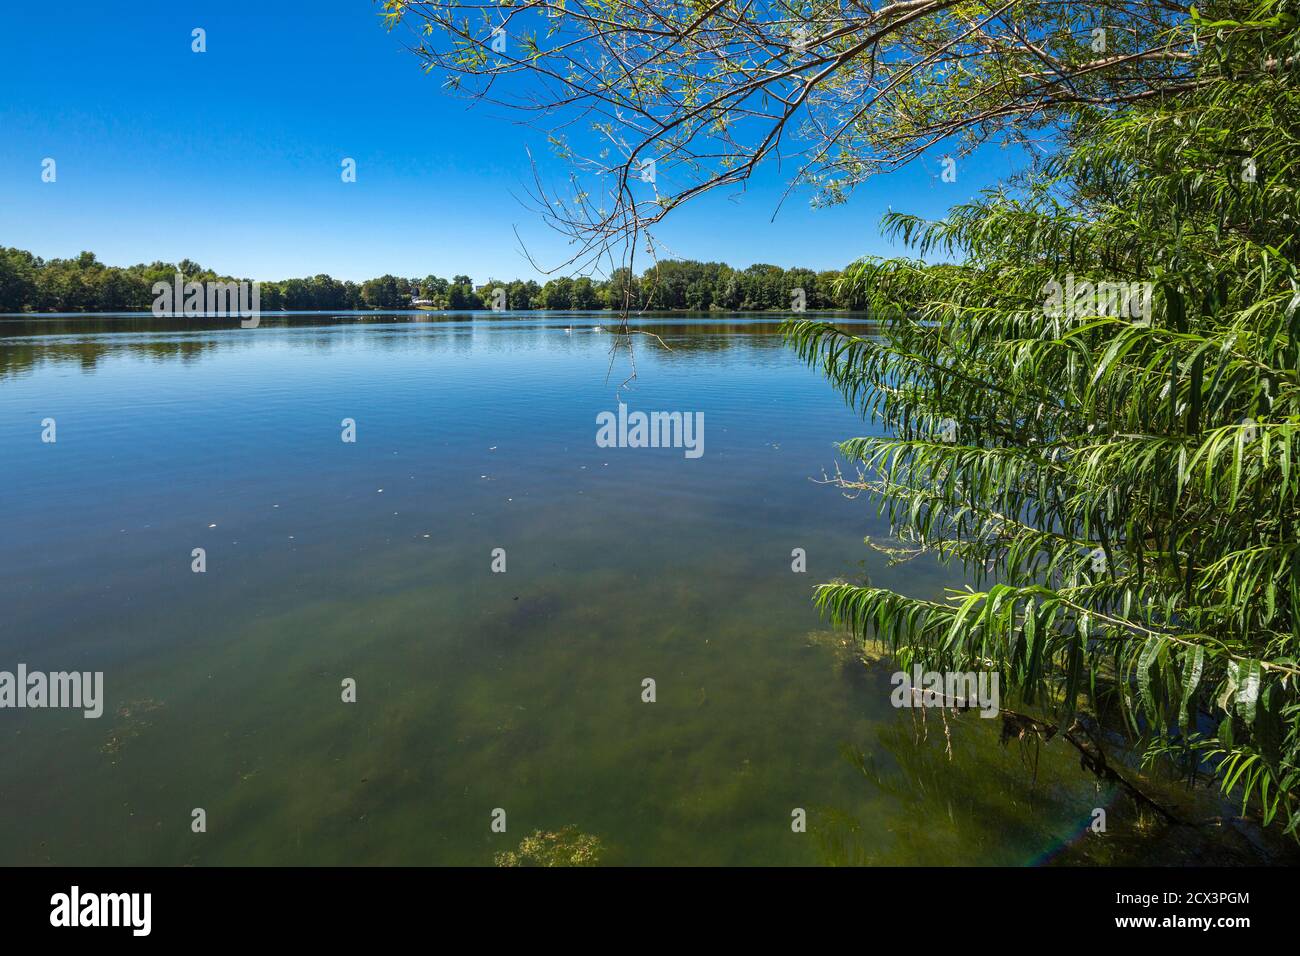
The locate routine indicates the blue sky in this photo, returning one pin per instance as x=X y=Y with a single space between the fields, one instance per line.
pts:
x=232 y=157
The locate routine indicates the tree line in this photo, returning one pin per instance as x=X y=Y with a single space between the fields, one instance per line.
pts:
x=29 y=283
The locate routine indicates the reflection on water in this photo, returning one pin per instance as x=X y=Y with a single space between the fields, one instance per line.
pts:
x=80 y=338
x=475 y=691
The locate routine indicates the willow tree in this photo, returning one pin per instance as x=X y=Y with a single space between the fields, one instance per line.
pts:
x=1118 y=469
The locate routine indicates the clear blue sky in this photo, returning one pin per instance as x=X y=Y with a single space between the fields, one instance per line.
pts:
x=231 y=157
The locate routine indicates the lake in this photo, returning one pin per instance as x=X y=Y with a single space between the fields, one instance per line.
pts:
x=475 y=690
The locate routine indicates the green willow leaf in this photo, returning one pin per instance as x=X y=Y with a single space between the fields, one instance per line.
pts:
x=1193 y=664
x=1248 y=691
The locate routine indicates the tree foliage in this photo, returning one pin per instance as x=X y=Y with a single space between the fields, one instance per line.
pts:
x=1122 y=485
x=656 y=102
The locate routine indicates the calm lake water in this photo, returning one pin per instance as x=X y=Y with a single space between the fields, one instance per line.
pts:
x=475 y=690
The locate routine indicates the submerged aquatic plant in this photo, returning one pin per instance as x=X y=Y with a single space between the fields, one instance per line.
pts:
x=565 y=847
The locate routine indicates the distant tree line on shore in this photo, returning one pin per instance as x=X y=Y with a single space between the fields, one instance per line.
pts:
x=29 y=283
